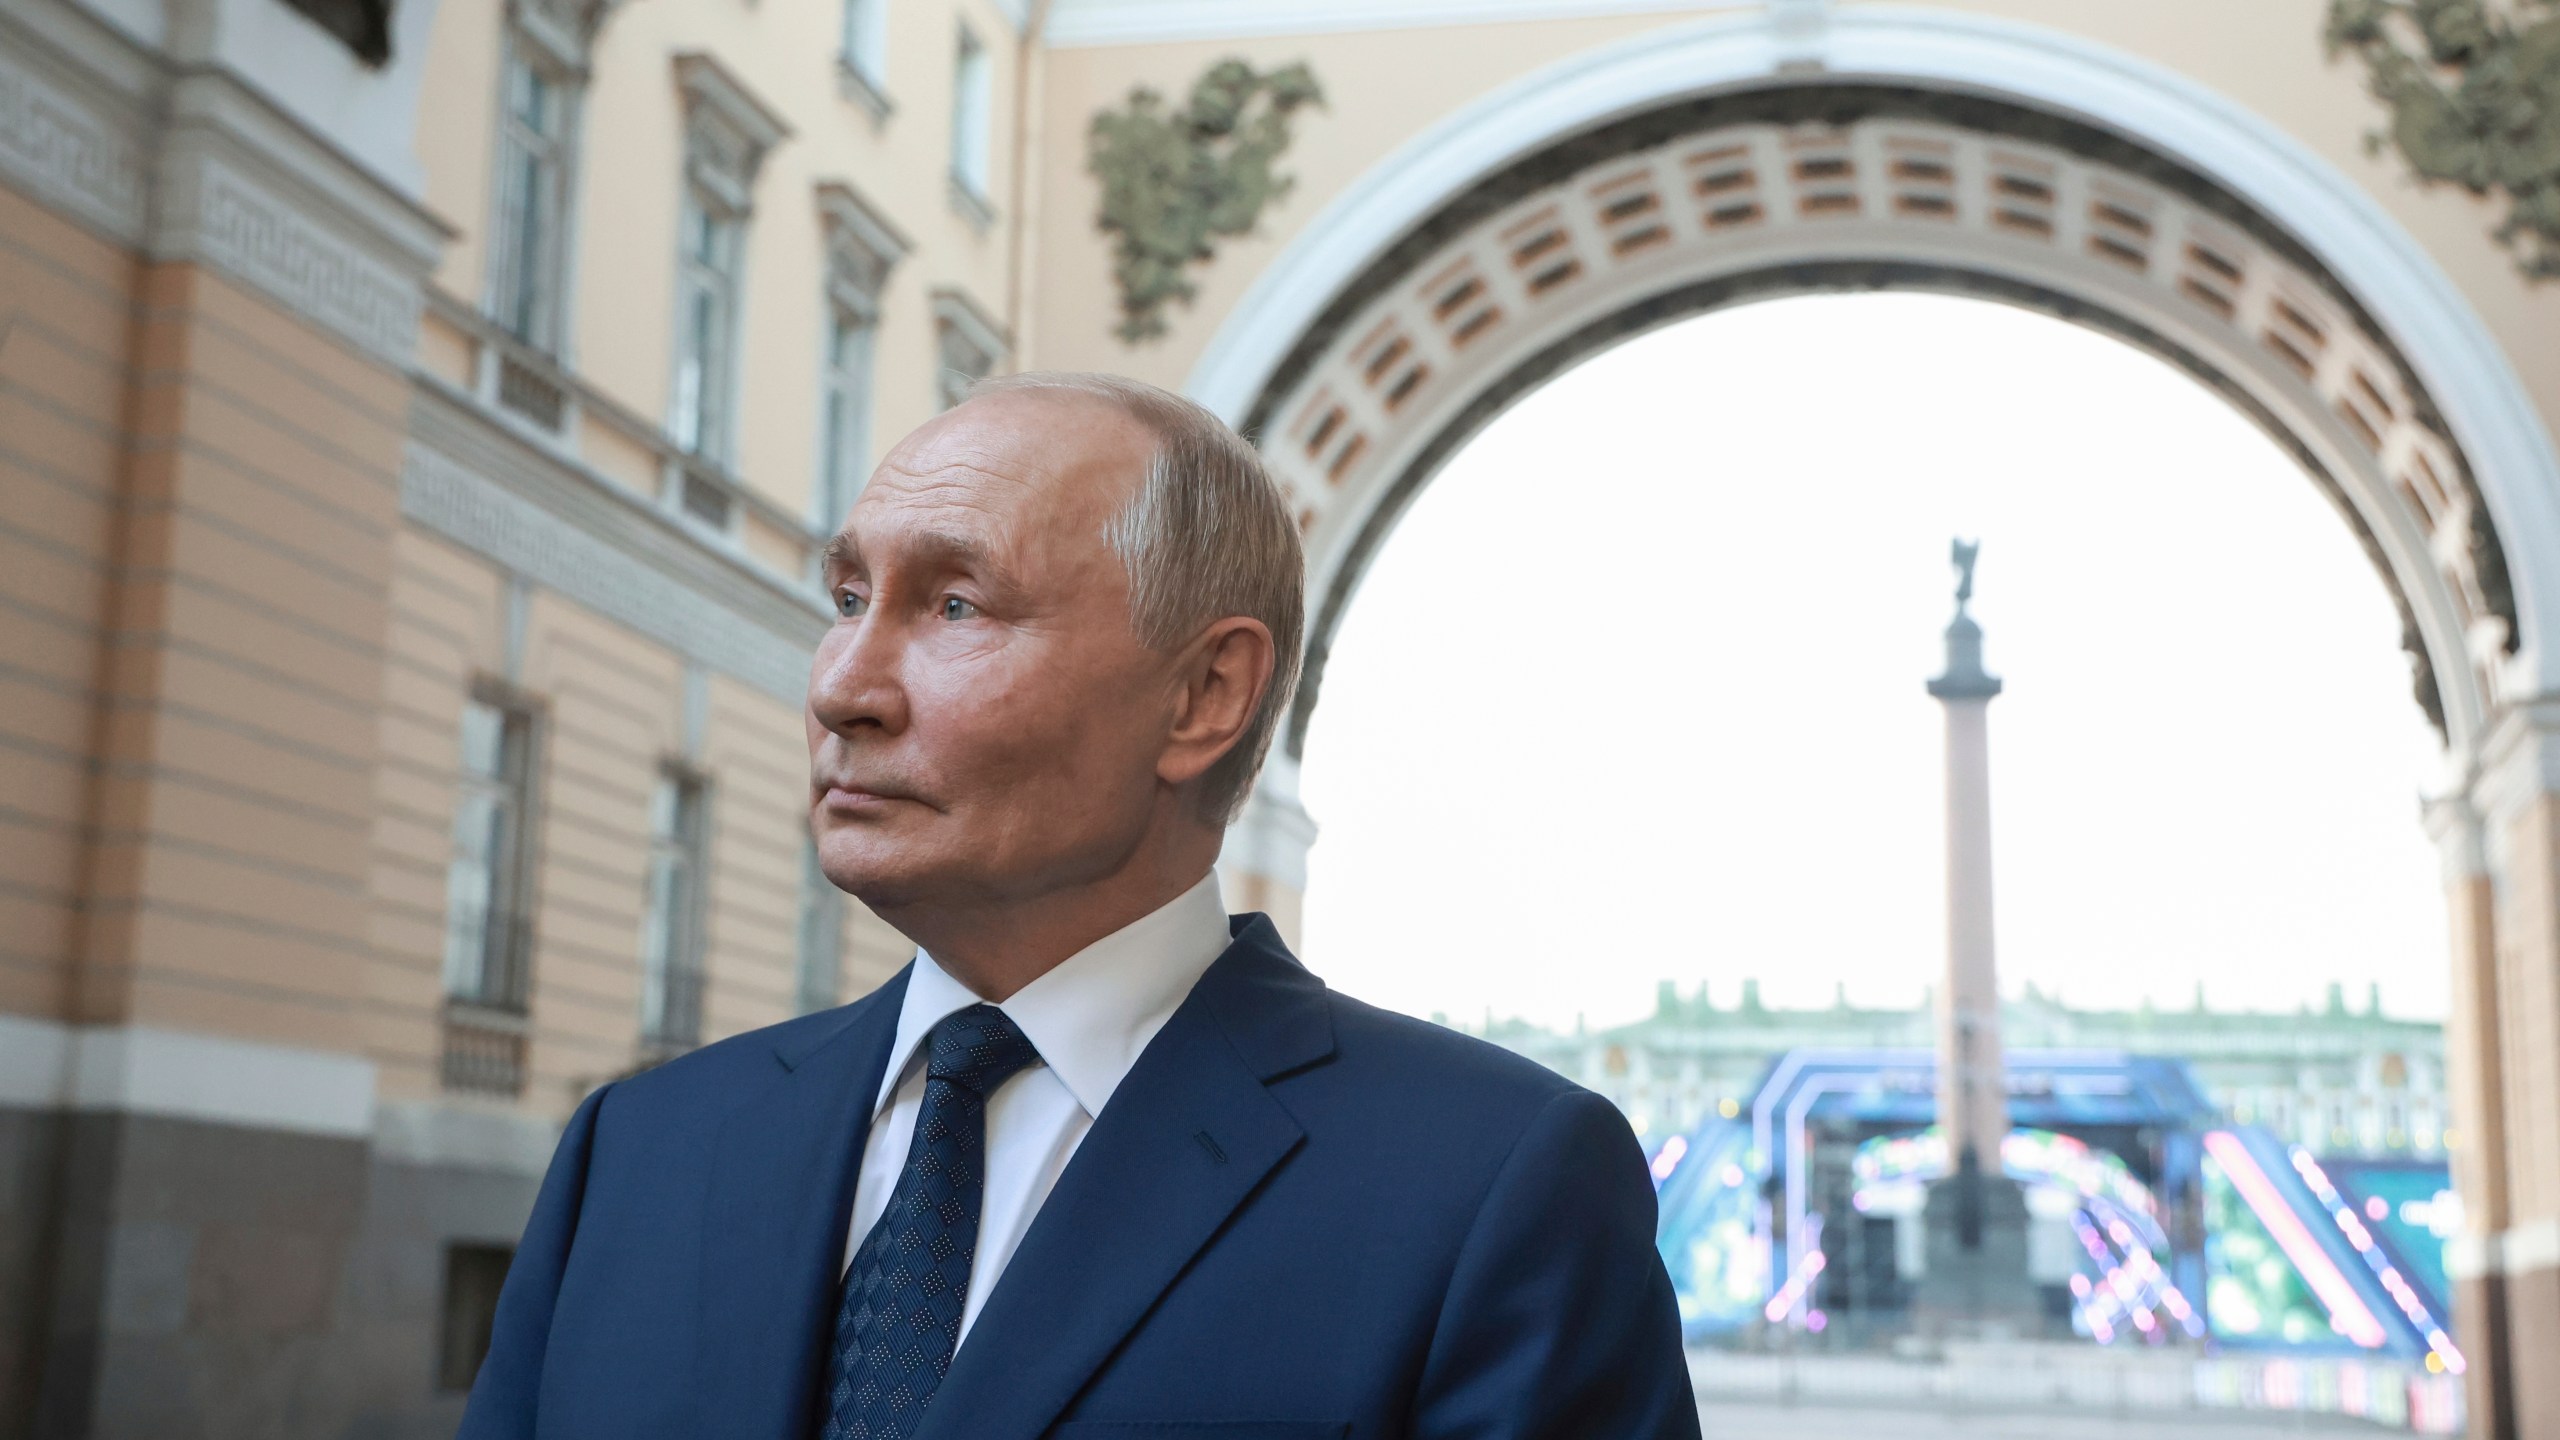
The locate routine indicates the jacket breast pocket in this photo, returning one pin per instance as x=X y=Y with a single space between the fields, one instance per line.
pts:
x=1203 y=1430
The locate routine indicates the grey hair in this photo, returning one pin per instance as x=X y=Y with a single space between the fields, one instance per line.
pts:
x=1206 y=536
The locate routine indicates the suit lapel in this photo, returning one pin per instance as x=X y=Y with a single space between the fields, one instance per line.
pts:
x=773 y=1232
x=1184 y=1142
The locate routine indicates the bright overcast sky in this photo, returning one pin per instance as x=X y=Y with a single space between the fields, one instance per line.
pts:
x=1634 y=692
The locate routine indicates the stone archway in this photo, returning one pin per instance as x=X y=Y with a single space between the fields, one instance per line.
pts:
x=1635 y=186
x=1825 y=187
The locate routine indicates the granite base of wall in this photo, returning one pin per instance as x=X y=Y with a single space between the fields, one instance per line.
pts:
x=228 y=1283
x=2533 y=1345
x=2480 y=1319
x=30 y=1167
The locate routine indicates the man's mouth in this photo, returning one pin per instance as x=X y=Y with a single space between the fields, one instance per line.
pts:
x=856 y=797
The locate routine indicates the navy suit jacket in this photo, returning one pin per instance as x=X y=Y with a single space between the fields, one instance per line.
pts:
x=1299 y=1217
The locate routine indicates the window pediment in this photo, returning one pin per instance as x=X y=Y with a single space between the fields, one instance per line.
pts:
x=727 y=129
x=862 y=245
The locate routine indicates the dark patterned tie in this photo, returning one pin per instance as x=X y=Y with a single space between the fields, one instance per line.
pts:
x=899 y=1319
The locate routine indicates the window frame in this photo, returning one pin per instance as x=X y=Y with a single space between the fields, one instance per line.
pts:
x=475 y=1274
x=846 y=373
x=675 y=911
x=862 y=56
x=502 y=978
x=727 y=133
x=972 y=148
x=701 y=414
x=548 y=273
x=862 y=249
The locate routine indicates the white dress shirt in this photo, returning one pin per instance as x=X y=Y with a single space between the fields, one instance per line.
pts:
x=1089 y=1018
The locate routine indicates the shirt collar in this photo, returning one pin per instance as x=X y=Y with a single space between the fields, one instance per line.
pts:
x=1092 y=1015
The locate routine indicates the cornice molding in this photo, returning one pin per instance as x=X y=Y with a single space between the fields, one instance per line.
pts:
x=215 y=208
x=1091 y=23
x=74 y=126
x=190 y=164
x=613 y=552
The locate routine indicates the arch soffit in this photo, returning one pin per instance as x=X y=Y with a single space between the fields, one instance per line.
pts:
x=1713 y=191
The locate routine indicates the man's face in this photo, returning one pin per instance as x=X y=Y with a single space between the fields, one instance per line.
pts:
x=983 y=722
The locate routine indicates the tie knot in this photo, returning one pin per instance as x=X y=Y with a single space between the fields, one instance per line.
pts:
x=978 y=1049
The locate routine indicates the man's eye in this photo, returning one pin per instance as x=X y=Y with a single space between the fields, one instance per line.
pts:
x=850 y=605
x=955 y=608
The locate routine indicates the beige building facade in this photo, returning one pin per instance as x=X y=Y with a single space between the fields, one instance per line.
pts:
x=418 y=420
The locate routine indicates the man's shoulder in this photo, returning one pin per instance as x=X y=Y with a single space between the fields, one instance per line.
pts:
x=1432 y=1065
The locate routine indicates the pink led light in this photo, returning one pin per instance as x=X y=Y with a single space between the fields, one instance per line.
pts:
x=1794 y=1290
x=1669 y=1158
x=2397 y=1287
x=2346 y=1311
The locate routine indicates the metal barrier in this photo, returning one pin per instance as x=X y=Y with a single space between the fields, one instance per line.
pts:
x=2090 y=1381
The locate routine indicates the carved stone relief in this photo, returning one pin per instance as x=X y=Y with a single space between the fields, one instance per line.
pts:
x=2474 y=95
x=1174 y=181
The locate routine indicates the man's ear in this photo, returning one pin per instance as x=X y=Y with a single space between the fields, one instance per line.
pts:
x=1219 y=683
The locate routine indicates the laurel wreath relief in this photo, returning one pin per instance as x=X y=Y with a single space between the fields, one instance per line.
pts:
x=1174 y=181
x=2474 y=94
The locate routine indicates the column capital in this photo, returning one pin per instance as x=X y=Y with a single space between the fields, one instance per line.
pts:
x=2519 y=758
x=1273 y=835
x=2453 y=822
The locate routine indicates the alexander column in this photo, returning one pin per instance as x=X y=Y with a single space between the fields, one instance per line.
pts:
x=1976 y=1219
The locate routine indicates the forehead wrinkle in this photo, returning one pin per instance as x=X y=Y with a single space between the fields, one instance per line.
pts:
x=1003 y=478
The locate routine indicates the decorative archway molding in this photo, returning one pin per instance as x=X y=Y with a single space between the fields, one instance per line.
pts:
x=1327 y=291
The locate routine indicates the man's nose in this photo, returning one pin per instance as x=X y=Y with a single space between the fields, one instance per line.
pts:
x=855 y=681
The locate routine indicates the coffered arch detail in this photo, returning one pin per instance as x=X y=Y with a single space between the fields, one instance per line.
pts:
x=1826 y=188
x=1761 y=175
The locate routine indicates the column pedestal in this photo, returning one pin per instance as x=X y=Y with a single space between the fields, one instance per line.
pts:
x=1975 y=1286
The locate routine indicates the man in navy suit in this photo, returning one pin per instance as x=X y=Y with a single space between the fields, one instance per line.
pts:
x=1102 y=1162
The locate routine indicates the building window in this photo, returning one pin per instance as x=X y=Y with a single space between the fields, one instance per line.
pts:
x=727 y=134
x=972 y=118
x=484 y=949
x=525 y=246
x=969 y=345
x=473 y=1276
x=706 y=325
x=488 y=901
x=671 y=945
x=846 y=456
x=363 y=26
x=862 y=247
x=863 y=63
x=821 y=936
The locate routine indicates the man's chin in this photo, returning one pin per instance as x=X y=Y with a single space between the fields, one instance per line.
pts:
x=883 y=875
